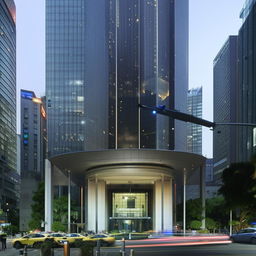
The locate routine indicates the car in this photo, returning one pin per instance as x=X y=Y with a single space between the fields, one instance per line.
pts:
x=247 y=235
x=71 y=238
x=32 y=240
x=105 y=240
x=56 y=237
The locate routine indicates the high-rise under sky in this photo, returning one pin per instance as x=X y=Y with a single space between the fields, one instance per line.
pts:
x=8 y=175
x=99 y=70
x=103 y=58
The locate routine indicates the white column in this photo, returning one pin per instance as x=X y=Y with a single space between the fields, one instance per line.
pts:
x=202 y=194
x=101 y=206
x=230 y=222
x=158 y=206
x=168 y=205
x=162 y=202
x=174 y=198
x=82 y=205
x=184 y=200
x=48 y=196
x=91 y=205
x=69 y=202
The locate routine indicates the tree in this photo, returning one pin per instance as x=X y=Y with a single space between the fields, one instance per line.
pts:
x=195 y=224
x=37 y=214
x=238 y=190
x=60 y=209
x=217 y=210
x=194 y=210
x=211 y=224
x=60 y=213
x=58 y=226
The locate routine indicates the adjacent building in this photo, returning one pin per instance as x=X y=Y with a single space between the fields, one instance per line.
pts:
x=8 y=174
x=97 y=72
x=194 y=131
x=247 y=90
x=32 y=151
x=226 y=106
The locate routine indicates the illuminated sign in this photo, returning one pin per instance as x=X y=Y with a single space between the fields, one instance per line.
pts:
x=27 y=95
x=43 y=112
x=37 y=100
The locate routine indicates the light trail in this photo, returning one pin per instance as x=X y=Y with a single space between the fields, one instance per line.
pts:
x=179 y=244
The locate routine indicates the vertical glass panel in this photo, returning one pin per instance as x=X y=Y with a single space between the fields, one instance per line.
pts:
x=127 y=205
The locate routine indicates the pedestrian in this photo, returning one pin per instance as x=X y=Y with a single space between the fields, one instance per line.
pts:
x=3 y=240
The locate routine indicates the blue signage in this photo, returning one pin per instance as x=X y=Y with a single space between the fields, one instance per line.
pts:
x=27 y=95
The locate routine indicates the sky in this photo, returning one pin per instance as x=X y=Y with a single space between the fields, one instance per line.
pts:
x=210 y=24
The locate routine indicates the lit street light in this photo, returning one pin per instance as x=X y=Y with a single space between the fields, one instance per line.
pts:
x=162 y=110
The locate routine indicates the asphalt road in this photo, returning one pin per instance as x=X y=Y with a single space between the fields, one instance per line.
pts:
x=202 y=250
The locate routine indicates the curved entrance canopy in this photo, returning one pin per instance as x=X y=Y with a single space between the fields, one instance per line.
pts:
x=125 y=188
x=80 y=162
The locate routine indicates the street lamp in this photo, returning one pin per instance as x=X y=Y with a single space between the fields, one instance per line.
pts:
x=162 y=110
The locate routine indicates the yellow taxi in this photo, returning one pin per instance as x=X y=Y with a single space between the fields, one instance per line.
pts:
x=105 y=240
x=56 y=237
x=70 y=238
x=35 y=240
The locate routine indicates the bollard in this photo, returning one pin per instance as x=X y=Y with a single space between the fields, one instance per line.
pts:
x=123 y=247
x=21 y=252
x=98 y=248
x=25 y=251
x=66 y=249
x=52 y=251
x=131 y=252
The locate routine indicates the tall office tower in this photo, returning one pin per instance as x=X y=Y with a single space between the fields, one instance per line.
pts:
x=181 y=70
x=225 y=106
x=97 y=72
x=247 y=81
x=8 y=179
x=194 y=132
x=32 y=151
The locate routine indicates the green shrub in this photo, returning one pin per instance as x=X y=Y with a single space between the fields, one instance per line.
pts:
x=203 y=231
x=46 y=247
x=195 y=224
x=58 y=226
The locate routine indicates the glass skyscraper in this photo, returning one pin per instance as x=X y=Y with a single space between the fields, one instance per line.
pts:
x=91 y=95
x=194 y=131
x=65 y=75
x=103 y=59
x=225 y=75
x=8 y=179
x=247 y=80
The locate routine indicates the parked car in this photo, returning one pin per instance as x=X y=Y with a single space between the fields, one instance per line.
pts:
x=105 y=240
x=71 y=238
x=35 y=240
x=247 y=235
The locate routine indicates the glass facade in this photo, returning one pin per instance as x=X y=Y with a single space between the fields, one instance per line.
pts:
x=65 y=75
x=137 y=41
x=194 y=132
x=8 y=181
x=97 y=72
x=141 y=70
x=127 y=205
x=247 y=80
x=225 y=106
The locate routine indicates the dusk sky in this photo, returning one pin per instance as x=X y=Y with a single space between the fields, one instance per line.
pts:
x=211 y=22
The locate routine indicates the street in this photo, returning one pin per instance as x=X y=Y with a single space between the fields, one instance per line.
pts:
x=204 y=250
